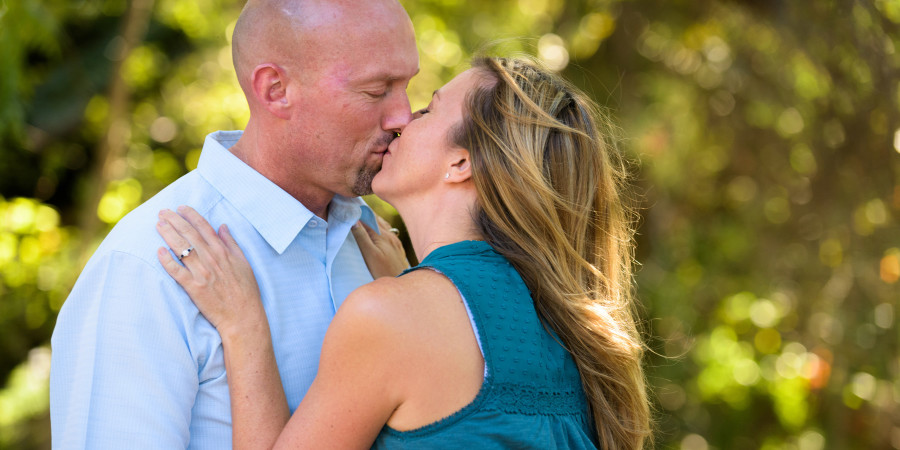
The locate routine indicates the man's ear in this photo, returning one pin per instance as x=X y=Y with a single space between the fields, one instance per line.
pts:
x=269 y=84
x=460 y=167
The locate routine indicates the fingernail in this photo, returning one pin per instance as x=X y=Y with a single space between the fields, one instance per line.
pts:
x=181 y=208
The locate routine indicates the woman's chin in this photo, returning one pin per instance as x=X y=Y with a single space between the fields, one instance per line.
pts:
x=379 y=188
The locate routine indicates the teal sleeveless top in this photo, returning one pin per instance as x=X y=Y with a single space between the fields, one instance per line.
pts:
x=531 y=396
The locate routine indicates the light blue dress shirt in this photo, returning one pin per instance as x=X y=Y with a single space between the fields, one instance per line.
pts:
x=135 y=365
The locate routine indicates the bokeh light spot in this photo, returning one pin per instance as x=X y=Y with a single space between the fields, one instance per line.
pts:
x=746 y=372
x=552 y=50
x=884 y=315
x=777 y=210
x=790 y=122
x=811 y=440
x=764 y=313
x=694 y=442
x=889 y=268
x=767 y=340
x=163 y=129
x=863 y=385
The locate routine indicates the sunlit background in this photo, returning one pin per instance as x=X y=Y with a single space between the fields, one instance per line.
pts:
x=766 y=142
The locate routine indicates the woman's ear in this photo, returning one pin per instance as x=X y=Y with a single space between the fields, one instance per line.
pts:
x=460 y=167
x=269 y=84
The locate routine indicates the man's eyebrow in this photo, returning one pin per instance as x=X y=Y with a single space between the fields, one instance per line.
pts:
x=387 y=76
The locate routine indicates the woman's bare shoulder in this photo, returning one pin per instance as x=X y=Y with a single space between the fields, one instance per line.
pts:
x=401 y=300
x=429 y=344
x=389 y=319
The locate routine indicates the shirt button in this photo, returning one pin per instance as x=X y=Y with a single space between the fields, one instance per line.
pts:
x=313 y=223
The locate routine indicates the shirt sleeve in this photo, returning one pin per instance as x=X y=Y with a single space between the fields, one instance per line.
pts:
x=122 y=373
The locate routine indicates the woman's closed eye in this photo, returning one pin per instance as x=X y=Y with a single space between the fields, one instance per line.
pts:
x=421 y=113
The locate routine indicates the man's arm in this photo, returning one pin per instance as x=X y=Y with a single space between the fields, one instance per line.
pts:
x=123 y=374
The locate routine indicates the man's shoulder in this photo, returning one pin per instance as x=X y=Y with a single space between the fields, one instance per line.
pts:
x=136 y=235
x=126 y=263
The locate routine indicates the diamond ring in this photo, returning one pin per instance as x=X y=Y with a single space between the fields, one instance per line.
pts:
x=185 y=252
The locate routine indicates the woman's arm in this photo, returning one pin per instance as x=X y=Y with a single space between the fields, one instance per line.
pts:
x=221 y=283
x=363 y=372
x=259 y=409
x=363 y=367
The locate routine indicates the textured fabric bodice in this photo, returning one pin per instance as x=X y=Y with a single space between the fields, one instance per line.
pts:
x=532 y=395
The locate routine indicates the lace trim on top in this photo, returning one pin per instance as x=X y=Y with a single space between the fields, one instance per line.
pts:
x=532 y=400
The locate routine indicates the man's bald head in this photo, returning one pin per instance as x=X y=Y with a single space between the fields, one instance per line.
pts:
x=299 y=33
x=326 y=84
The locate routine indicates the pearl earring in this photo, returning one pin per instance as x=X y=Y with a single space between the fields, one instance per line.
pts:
x=447 y=175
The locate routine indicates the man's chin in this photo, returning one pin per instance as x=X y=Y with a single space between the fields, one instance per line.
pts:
x=359 y=192
x=362 y=185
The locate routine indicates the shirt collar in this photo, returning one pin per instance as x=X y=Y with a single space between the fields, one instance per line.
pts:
x=276 y=215
x=347 y=209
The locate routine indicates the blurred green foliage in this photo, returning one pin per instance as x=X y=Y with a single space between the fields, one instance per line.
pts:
x=767 y=136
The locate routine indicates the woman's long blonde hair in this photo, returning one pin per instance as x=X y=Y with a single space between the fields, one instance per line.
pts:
x=550 y=186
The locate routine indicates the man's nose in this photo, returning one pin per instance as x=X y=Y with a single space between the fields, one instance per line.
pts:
x=398 y=113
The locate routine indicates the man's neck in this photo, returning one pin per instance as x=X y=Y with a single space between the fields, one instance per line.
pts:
x=316 y=200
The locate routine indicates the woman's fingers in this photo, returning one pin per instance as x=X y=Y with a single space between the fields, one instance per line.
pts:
x=175 y=270
x=182 y=226
x=383 y=224
x=373 y=235
x=215 y=274
x=385 y=229
x=173 y=238
x=383 y=253
x=363 y=235
x=193 y=250
x=230 y=243
x=204 y=229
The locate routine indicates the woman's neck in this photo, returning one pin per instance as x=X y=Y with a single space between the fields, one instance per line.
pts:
x=433 y=223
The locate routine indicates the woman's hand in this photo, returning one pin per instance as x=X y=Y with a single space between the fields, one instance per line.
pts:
x=215 y=273
x=221 y=283
x=383 y=253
